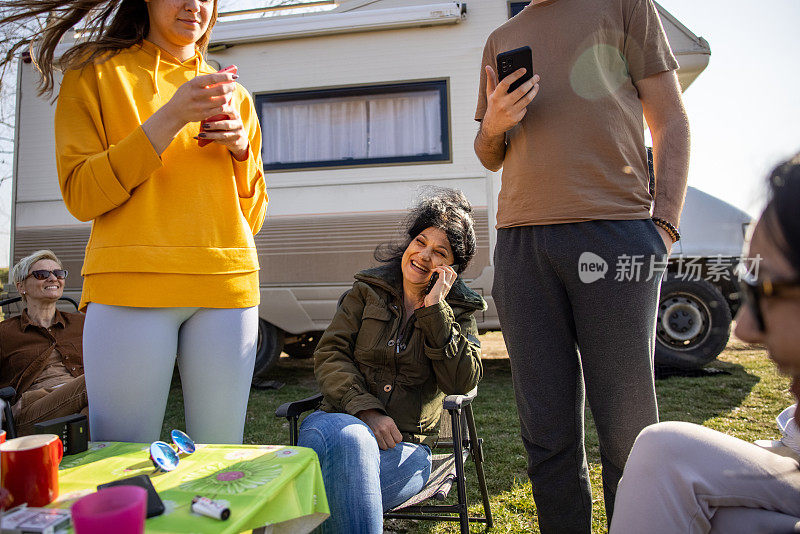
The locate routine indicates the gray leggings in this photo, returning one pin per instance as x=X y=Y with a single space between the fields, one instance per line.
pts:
x=129 y=354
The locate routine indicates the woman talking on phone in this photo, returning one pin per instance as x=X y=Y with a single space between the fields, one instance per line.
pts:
x=171 y=266
x=403 y=337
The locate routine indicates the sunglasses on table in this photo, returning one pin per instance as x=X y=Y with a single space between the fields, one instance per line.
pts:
x=756 y=290
x=165 y=457
x=43 y=274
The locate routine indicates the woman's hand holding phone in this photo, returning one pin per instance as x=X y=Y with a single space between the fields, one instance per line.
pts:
x=202 y=97
x=194 y=101
x=441 y=287
x=232 y=69
x=226 y=128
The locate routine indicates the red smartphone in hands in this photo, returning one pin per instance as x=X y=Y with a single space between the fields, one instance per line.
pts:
x=233 y=69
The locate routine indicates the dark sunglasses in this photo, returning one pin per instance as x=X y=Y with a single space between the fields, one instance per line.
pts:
x=42 y=274
x=757 y=290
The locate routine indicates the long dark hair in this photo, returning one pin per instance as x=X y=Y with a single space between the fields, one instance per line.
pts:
x=110 y=26
x=443 y=208
x=781 y=216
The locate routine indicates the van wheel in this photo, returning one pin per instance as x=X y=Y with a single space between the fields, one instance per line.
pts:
x=694 y=324
x=304 y=347
x=268 y=350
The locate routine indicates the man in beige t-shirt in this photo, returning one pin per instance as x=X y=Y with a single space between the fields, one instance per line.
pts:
x=575 y=201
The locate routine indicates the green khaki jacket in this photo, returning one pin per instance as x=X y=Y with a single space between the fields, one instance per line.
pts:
x=364 y=361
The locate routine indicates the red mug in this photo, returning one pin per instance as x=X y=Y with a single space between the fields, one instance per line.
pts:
x=29 y=468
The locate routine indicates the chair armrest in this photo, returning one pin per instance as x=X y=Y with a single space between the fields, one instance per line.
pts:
x=455 y=402
x=295 y=408
x=10 y=300
x=71 y=301
x=8 y=393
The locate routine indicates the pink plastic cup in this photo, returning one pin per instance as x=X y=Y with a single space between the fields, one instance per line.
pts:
x=119 y=509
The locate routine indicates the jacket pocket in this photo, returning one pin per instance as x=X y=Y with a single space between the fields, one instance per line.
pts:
x=374 y=326
x=413 y=367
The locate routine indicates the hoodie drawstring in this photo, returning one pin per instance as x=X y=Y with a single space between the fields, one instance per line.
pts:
x=198 y=60
x=155 y=71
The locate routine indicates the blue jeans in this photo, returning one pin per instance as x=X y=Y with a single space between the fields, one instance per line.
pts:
x=362 y=481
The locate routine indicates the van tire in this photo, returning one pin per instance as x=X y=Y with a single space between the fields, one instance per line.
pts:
x=304 y=347
x=693 y=324
x=268 y=349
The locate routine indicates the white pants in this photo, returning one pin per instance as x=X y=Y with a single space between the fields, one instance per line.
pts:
x=129 y=355
x=686 y=478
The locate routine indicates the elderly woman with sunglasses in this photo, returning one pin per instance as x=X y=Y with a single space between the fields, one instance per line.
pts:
x=682 y=477
x=40 y=349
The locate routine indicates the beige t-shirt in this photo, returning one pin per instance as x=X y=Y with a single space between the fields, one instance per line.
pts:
x=579 y=152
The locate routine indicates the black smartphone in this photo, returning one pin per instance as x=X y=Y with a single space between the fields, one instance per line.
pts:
x=431 y=283
x=154 y=504
x=513 y=60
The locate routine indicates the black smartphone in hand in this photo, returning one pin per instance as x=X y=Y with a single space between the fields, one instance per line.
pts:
x=431 y=283
x=513 y=60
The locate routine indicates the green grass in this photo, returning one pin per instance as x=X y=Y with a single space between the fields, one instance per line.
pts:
x=742 y=401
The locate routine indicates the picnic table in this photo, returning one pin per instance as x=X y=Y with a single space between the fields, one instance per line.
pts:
x=269 y=488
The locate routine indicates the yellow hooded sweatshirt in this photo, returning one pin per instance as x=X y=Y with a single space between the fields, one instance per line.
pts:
x=175 y=230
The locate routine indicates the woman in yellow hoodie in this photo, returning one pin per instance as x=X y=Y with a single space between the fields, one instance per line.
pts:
x=171 y=265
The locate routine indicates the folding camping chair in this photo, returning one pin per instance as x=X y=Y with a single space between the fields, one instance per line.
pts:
x=458 y=440
x=7 y=394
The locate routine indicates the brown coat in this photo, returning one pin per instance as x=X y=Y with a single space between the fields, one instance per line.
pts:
x=364 y=362
x=25 y=347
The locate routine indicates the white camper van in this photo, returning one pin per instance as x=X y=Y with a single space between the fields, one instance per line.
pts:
x=361 y=106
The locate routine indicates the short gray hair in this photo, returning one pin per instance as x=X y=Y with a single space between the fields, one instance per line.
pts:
x=21 y=270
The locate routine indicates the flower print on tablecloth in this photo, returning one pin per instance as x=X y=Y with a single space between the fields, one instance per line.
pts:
x=237 y=478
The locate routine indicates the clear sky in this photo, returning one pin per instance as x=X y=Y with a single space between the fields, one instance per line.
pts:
x=744 y=109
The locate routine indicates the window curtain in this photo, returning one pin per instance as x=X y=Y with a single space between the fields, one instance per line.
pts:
x=405 y=124
x=357 y=127
x=314 y=130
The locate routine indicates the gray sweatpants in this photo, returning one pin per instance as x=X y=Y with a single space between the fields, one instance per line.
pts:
x=128 y=358
x=573 y=333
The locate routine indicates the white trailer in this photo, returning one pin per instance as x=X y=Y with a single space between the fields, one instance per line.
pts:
x=361 y=107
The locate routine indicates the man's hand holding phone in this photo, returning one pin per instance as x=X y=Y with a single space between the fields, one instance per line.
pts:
x=505 y=110
x=441 y=287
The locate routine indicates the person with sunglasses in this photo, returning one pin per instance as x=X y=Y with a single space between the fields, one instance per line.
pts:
x=682 y=477
x=41 y=350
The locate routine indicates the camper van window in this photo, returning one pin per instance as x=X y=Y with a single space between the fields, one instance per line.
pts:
x=374 y=125
x=516 y=7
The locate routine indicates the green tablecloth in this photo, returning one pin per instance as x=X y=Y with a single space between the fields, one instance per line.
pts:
x=265 y=485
